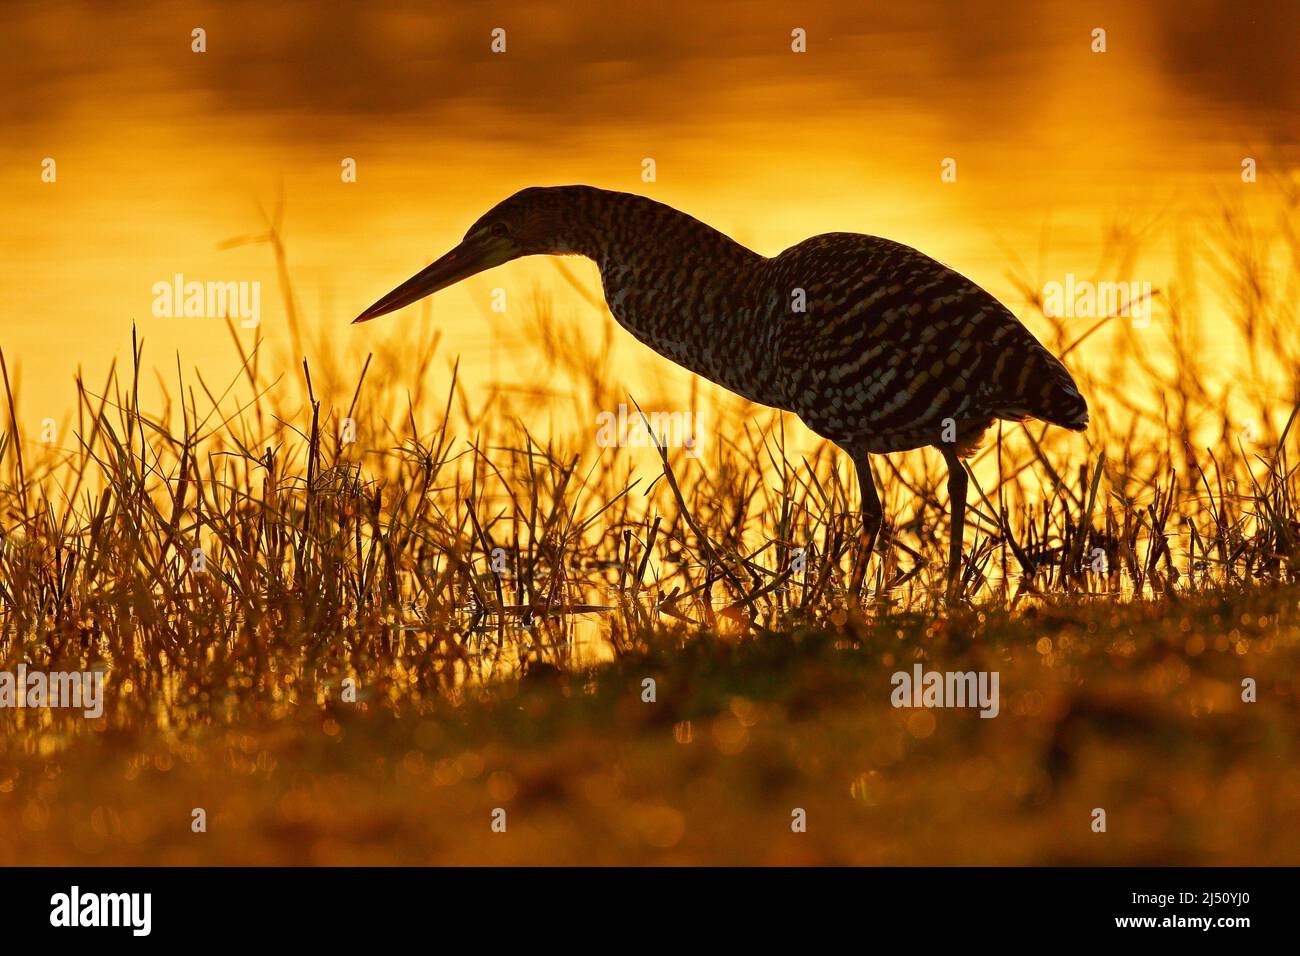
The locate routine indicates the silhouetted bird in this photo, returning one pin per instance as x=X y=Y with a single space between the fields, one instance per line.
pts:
x=874 y=345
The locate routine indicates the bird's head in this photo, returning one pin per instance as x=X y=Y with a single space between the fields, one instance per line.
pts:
x=532 y=222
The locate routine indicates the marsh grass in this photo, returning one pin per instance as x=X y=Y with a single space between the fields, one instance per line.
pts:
x=234 y=550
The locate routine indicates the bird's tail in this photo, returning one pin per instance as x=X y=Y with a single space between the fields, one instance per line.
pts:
x=1064 y=404
x=1070 y=410
x=1046 y=391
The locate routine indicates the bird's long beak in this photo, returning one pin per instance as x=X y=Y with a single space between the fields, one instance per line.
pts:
x=474 y=255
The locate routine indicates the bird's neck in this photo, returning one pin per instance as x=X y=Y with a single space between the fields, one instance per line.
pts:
x=691 y=293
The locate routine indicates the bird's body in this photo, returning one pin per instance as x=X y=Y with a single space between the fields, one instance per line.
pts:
x=874 y=345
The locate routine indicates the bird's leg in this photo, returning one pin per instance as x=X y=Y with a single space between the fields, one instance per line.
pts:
x=957 y=482
x=872 y=516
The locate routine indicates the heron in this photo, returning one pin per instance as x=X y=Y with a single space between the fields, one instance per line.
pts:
x=874 y=345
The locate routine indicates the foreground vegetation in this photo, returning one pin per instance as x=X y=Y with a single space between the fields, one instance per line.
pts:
x=1136 y=710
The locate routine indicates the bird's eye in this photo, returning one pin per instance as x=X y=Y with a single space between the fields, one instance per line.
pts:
x=499 y=230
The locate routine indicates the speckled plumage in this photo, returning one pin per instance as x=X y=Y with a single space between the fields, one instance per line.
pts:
x=894 y=343
x=874 y=345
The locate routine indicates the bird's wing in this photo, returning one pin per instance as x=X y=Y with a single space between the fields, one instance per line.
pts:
x=891 y=342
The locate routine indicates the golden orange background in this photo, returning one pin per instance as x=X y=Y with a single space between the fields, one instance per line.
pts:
x=164 y=155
